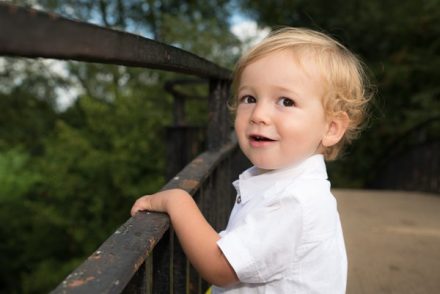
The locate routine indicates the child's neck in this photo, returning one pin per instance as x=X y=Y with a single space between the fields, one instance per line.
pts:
x=260 y=171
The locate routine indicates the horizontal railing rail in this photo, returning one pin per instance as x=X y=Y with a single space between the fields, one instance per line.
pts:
x=141 y=256
x=112 y=265
x=32 y=33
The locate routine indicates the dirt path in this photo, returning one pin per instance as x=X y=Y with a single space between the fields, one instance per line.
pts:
x=393 y=241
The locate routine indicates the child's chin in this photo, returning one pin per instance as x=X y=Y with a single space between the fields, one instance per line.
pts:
x=265 y=167
x=265 y=163
x=272 y=166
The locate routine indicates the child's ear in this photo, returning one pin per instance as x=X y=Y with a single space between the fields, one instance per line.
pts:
x=336 y=129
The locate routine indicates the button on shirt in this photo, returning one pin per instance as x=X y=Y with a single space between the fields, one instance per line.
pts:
x=284 y=233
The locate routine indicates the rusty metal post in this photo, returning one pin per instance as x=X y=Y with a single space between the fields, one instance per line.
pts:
x=162 y=266
x=183 y=143
x=142 y=281
x=218 y=116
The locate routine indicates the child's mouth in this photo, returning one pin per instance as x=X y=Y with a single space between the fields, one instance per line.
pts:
x=258 y=141
x=260 y=138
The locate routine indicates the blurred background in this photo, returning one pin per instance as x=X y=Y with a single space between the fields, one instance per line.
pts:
x=80 y=142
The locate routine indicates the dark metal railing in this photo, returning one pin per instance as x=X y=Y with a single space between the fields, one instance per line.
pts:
x=33 y=33
x=411 y=161
x=184 y=141
x=127 y=262
x=142 y=256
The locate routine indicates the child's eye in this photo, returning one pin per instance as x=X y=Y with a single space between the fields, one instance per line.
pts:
x=247 y=99
x=286 y=102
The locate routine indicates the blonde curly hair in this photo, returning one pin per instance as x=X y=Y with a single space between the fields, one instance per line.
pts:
x=347 y=88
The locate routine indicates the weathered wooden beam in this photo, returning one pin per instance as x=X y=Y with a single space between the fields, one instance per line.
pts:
x=31 y=33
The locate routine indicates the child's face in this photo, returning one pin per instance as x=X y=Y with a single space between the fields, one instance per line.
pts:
x=280 y=117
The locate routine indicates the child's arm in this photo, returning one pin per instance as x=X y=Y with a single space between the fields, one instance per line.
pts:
x=197 y=237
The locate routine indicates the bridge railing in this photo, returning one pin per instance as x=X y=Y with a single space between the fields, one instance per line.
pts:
x=411 y=161
x=142 y=256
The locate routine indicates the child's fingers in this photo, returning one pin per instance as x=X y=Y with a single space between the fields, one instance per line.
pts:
x=139 y=205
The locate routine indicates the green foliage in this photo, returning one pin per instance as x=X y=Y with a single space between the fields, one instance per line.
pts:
x=96 y=159
x=27 y=101
x=15 y=177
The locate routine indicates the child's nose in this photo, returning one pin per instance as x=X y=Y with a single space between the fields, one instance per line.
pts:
x=260 y=113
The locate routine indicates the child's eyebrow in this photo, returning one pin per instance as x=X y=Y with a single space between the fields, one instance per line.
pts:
x=244 y=88
x=280 y=88
x=284 y=89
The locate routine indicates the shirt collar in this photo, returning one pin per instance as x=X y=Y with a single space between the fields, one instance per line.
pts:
x=250 y=183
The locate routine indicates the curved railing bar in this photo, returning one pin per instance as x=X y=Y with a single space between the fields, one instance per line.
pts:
x=32 y=33
x=134 y=241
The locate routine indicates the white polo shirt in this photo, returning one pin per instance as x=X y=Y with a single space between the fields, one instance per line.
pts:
x=284 y=234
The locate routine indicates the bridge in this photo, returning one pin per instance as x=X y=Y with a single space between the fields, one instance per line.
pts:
x=392 y=238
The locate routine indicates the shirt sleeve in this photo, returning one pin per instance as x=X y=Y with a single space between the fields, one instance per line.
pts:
x=260 y=248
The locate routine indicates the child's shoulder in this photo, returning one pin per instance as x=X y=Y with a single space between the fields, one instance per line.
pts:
x=313 y=195
x=308 y=190
x=318 y=207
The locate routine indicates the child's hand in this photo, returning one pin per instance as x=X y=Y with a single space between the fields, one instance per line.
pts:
x=197 y=237
x=156 y=202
